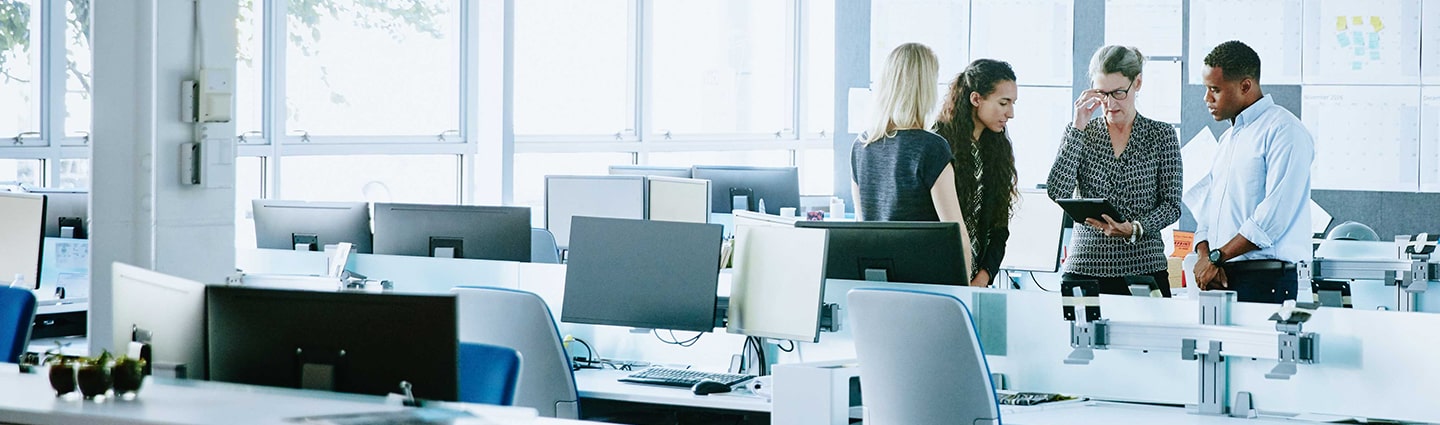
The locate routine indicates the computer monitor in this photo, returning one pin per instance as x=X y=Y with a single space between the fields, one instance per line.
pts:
x=67 y=212
x=679 y=199
x=742 y=188
x=591 y=196
x=642 y=274
x=649 y=170
x=453 y=231
x=164 y=311
x=894 y=251
x=779 y=282
x=310 y=226
x=1036 y=229
x=22 y=234
x=338 y=341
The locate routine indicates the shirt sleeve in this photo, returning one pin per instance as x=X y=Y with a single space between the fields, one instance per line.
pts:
x=995 y=249
x=934 y=158
x=1168 y=181
x=1061 y=182
x=1287 y=186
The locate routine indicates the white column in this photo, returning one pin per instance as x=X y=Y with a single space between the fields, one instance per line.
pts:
x=142 y=215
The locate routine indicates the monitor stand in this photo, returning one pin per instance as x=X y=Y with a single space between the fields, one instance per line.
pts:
x=305 y=242
x=442 y=247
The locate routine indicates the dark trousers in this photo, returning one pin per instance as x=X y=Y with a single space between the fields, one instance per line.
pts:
x=1117 y=285
x=1262 y=281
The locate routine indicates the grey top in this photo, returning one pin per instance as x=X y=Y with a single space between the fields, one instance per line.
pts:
x=1143 y=184
x=895 y=175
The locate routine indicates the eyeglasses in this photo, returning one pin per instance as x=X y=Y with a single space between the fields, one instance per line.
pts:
x=1118 y=94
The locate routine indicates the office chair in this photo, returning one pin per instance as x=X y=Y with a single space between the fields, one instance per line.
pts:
x=521 y=320
x=488 y=374
x=17 y=315
x=543 y=248
x=913 y=373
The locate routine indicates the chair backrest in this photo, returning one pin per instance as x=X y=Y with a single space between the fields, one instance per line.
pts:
x=542 y=247
x=488 y=374
x=913 y=371
x=17 y=316
x=522 y=321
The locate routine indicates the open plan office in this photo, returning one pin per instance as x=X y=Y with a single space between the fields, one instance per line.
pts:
x=719 y=211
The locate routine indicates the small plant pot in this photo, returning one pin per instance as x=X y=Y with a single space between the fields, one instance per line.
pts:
x=62 y=379
x=94 y=380
x=127 y=377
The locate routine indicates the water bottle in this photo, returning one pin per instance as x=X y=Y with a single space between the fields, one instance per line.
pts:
x=837 y=208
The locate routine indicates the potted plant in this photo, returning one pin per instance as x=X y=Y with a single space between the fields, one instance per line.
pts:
x=62 y=372
x=93 y=375
x=127 y=374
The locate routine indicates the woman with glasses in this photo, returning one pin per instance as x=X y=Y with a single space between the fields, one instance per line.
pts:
x=1127 y=159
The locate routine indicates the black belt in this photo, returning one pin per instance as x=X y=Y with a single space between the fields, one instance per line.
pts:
x=1258 y=265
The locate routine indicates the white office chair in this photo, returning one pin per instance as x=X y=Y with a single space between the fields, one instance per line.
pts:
x=542 y=247
x=920 y=360
x=521 y=320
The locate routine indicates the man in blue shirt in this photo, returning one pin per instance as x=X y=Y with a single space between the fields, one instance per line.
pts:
x=1253 y=224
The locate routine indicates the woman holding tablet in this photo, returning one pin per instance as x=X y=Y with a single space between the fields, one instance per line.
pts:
x=900 y=170
x=1129 y=160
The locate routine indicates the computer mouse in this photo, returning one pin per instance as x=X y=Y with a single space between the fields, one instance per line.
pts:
x=708 y=387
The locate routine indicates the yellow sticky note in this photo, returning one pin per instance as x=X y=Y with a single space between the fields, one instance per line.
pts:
x=1340 y=23
x=1375 y=22
x=1357 y=20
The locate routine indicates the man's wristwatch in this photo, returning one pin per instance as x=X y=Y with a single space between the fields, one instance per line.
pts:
x=1215 y=257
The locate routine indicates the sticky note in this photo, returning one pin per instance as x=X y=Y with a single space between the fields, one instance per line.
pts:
x=1375 y=22
x=1340 y=23
x=1357 y=20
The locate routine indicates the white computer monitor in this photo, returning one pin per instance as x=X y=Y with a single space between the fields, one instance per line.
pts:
x=677 y=199
x=170 y=309
x=1035 y=234
x=591 y=196
x=778 y=284
x=22 y=234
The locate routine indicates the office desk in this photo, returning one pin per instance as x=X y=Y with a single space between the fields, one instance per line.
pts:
x=603 y=384
x=1107 y=413
x=28 y=399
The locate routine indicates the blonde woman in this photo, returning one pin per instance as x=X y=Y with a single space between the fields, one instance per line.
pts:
x=900 y=170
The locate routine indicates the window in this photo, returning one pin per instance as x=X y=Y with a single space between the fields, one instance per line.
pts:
x=19 y=71
x=820 y=69
x=369 y=69
x=817 y=172
x=249 y=63
x=417 y=179
x=723 y=67
x=249 y=185
x=19 y=171
x=72 y=173
x=531 y=169
x=573 y=76
x=78 y=69
x=769 y=158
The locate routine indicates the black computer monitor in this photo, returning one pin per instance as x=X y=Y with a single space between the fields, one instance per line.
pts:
x=22 y=238
x=453 y=231
x=894 y=251
x=649 y=170
x=642 y=273
x=339 y=341
x=742 y=188
x=310 y=226
x=67 y=212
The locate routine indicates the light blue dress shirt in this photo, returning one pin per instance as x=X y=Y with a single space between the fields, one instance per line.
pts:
x=1260 y=185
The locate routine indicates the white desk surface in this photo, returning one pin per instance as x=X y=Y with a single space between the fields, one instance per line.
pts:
x=1119 y=414
x=605 y=385
x=28 y=399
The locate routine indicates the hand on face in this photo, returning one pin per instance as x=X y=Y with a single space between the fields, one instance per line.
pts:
x=1085 y=107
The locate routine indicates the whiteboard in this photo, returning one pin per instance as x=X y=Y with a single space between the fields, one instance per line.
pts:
x=1430 y=33
x=1366 y=138
x=1041 y=114
x=1153 y=26
x=941 y=24
x=1272 y=28
x=1044 y=56
x=1370 y=42
x=1159 y=96
x=1430 y=139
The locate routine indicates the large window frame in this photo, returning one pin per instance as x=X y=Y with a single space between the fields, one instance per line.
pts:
x=50 y=144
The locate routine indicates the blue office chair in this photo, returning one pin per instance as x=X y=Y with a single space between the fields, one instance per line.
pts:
x=543 y=248
x=17 y=315
x=913 y=371
x=488 y=374
x=521 y=320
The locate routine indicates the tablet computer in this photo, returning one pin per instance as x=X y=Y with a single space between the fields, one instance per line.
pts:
x=1080 y=209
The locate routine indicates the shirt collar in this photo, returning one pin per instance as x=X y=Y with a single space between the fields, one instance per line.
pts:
x=1253 y=112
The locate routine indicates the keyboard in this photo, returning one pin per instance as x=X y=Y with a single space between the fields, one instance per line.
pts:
x=682 y=377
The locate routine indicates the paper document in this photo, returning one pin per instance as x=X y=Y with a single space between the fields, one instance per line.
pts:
x=1196 y=157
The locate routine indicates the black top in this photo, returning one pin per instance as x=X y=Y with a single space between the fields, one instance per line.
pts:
x=895 y=175
x=1143 y=183
x=987 y=235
